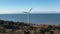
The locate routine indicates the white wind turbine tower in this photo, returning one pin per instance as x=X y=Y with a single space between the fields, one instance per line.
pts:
x=28 y=15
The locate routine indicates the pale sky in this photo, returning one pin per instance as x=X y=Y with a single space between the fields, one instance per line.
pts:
x=39 y=6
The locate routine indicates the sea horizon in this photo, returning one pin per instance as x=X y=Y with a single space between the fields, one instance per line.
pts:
x=48 y=18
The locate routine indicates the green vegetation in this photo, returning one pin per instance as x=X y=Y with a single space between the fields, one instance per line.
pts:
x=21 y=25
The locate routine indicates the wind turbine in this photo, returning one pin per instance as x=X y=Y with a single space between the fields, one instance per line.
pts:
x=28 y=15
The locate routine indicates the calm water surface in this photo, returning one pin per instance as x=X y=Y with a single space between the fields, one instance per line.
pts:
x=34 y=18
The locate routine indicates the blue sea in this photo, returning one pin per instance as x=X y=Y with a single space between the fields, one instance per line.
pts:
x=34 y=18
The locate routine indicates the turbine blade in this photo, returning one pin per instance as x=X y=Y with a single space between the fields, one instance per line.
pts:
x=30 y=9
